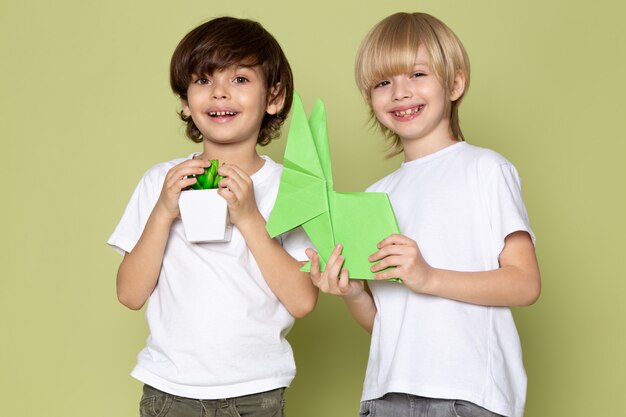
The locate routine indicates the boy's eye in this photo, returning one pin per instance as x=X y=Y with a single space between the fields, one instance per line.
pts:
x=201 y=81
x=418 y=74
x=240 y=80
x=382 y=84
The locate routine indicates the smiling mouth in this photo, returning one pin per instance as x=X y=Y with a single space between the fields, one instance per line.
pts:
x=223 y=113
x=408 y=112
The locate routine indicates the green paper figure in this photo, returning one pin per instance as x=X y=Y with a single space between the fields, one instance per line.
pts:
x=357 y=220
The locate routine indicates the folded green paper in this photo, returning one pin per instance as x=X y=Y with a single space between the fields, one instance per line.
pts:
x=357 y=220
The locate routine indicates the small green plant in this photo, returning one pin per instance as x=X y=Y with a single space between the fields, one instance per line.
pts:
x=209 y=179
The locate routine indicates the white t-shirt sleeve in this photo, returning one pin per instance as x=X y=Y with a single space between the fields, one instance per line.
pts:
x=295 y=242
x=507 y=211
x=133 y=221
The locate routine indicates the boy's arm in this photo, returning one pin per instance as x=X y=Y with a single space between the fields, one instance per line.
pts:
x=281 y=271
x=139 y=271
x=516 y=282
x=334 y=280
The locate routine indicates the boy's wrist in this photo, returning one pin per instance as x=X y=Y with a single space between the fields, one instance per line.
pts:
x=162 y=216
x=356 y=296
x=430 y=282
x=251 y=223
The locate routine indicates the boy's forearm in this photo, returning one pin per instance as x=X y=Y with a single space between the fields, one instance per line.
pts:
x=281 y=271
x=139 y=271
x=507 y=286
x=362 y=309
x=516 y=283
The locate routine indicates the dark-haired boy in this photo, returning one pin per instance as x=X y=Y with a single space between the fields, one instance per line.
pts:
x=218 y=312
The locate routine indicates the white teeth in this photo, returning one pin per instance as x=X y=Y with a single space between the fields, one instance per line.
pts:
x=409 y=112
x=222 y=113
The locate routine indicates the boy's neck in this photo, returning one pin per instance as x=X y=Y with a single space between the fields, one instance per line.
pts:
x=245 y=157
x=439 y=138
x=421 y=148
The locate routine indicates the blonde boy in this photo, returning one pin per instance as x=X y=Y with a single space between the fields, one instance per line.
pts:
x=444 y=343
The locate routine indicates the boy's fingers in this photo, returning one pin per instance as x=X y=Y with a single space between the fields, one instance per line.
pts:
x=377 y=267
x=178 y=184
x=315 y=266
x=394 y=239
x=226 y=194
x=387 y=262
x=389 y=250
x=392 y=273
x=181 y=172
x=236 y=184
x=313 y=257
x=192 y=165
x=224 y=183
x=344 y=281
x=333 y=265
x=310 y=253
x=335 y=254
x=381 y=254
x=233 y=181
x=235 y=173
x=328 y=280
x=186 y=182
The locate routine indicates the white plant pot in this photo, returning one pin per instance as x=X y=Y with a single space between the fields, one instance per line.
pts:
x=205 y=216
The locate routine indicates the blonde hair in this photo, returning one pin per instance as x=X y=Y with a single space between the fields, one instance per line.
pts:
x=390 y=48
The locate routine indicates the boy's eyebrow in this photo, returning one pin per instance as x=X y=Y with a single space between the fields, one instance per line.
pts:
x=234 y=67
x=257 y=70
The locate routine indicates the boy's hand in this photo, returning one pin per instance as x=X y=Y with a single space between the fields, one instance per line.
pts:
x=175 y=181
x=402 y=253
x=334 y=280
x=238 y=190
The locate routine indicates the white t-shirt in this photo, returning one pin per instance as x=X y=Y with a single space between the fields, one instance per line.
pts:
x=216 y=328
x=458 y=204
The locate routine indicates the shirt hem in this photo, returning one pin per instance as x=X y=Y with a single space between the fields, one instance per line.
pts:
x=120 y=244
x=210 y=393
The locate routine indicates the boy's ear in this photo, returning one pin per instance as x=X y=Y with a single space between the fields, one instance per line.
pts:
x=185 y=105
x=275 y=99
x=458 y=88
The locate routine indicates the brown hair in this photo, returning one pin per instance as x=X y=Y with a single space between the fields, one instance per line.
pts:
x=390 y=48
x=226 y=41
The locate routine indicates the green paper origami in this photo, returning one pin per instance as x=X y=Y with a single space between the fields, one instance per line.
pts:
x=359 y=220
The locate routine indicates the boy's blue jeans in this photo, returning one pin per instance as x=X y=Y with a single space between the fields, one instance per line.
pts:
x=406 y=405
x=155 y=403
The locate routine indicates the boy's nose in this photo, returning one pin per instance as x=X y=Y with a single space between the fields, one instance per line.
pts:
x=401 y=91
x=401 y=95
x=220 y=91
x=219 y=94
